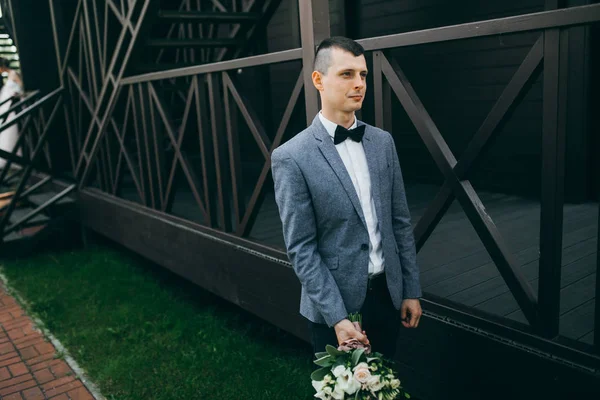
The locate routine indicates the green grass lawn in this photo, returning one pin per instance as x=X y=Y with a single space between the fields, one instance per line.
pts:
x=141 y=332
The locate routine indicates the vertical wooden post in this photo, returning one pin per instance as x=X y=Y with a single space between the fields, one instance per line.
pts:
x=553 y=172
x=597 y=309
x=314 y=27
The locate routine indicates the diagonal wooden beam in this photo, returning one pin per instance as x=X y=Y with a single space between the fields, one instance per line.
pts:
x=121 y=143
x=187 y=170
x=520 y=83
x=19 y=104
x=157 y=139
x=109 y=94
x=91 y=60
x=124 y=154
x=167 y=199
x=18 y=145
x=214 y=99
x=118 y=13
x=235 y=160
x=136 y=118
x=105 y=37
x=464 y=192
x=63 y=64
x=203 y=128
x=96 y=25
x=30 y=109
x=262 y=140
x=258 y=193
x=29 y=167
x=57 y=197
x=144 y=103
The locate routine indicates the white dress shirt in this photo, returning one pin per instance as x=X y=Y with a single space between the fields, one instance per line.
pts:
x=355 y=161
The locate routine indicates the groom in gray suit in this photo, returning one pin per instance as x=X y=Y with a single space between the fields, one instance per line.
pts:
x=346 y=223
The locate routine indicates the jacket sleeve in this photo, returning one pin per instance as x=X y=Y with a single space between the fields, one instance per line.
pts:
x=403 y=232
x=300 y=234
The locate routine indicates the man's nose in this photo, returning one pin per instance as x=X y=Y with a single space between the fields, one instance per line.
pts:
x=359 y=83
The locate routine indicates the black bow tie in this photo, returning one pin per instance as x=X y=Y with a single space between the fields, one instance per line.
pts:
x=342 y=134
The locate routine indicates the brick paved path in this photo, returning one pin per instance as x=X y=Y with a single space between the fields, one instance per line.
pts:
x=28 y=367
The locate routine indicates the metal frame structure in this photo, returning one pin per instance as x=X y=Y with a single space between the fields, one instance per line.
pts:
x=35 y=130
x=211 y=92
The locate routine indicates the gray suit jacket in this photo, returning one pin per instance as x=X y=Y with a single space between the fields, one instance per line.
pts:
x=324 y=227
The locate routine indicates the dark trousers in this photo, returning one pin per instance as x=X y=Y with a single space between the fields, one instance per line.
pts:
x=380 y=321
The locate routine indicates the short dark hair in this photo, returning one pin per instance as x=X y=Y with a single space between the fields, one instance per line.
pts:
x=323 y=56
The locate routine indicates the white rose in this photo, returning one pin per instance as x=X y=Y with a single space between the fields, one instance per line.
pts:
x=395 y=383
x=374 y=383
x=362 y=373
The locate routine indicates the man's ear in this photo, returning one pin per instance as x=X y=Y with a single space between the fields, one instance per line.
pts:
x=317 y=79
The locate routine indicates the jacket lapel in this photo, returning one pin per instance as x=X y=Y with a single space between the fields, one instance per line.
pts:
x=375 y=159
x=330 y=153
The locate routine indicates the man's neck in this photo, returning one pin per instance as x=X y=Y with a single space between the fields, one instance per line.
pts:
x=344 y=119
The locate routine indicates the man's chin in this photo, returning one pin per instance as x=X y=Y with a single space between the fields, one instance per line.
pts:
x=354 y=107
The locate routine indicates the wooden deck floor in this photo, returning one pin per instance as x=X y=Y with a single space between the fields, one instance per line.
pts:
x=455 y=264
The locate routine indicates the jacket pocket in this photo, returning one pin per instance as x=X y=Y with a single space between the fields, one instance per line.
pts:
x=331 y=262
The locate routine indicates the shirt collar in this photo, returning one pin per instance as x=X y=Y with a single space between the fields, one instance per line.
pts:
x=331 y=126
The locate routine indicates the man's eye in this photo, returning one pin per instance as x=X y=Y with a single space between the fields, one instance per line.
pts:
x=346 y=73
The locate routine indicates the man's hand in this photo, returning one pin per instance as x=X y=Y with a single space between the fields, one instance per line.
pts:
x=411 y=313
x=345 y=330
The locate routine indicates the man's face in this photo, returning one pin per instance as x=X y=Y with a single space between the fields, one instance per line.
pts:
x=344 y=85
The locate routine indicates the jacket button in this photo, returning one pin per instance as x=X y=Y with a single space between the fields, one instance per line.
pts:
x=364 y=246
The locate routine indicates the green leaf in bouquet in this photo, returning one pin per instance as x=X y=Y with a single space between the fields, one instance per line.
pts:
x=332 y=351
x=356 y=356
x=319 y=374
x=326 y=361
x=369 y=359
x=321 y=354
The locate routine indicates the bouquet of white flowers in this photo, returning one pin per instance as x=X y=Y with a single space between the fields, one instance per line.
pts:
x=352 y=371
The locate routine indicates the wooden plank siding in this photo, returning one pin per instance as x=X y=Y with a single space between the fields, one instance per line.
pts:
x=459 y=82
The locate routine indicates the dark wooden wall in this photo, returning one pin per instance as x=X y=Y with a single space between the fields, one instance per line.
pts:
x=459 y=82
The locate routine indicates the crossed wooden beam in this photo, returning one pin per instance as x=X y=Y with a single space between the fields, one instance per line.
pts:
x=455 y=171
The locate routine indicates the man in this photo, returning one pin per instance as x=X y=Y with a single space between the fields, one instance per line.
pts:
x=346 y=223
